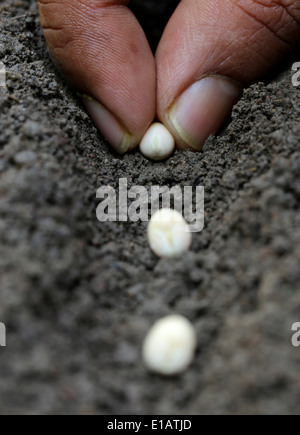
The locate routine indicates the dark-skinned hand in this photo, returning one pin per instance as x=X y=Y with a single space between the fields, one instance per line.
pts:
x=208 y=52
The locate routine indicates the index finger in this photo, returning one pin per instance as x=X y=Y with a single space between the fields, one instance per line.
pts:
x=103 y=51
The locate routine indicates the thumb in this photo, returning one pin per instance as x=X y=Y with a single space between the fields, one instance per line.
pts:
x=209 y=51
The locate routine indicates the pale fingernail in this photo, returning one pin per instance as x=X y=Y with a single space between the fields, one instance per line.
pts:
x=202 y=109
x=107 y=124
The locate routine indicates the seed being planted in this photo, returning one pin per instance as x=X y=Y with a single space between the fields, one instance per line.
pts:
x=158 y=143
x=169 y=234
x=170 y=345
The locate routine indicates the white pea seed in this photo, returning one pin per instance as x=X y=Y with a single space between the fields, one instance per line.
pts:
x=170 y=345
x=168 y=234
x=158 y=143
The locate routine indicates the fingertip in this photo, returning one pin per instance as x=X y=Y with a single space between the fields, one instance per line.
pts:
x=201 y=110
x=110 y=127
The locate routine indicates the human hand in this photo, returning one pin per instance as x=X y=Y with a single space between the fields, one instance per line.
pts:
x=208 y=52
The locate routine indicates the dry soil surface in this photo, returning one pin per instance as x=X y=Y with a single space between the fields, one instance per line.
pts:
x=78 y=296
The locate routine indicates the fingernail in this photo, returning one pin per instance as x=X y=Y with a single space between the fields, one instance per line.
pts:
x=202 y=109
x=107 y=124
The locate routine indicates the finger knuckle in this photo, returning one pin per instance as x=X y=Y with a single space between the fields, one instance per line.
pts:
x=279 y=17
x=68 y=21
x=61 y=22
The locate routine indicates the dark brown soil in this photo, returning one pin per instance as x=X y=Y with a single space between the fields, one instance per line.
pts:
x=78 y=296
